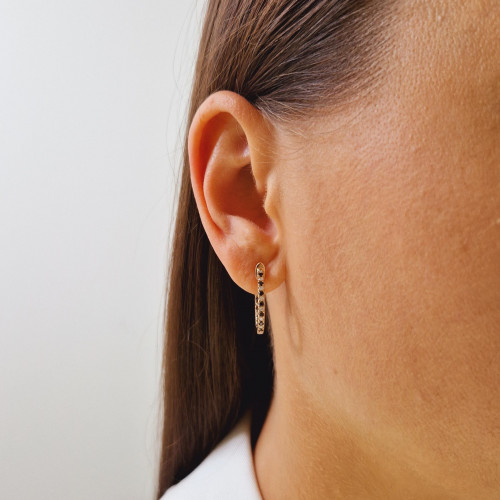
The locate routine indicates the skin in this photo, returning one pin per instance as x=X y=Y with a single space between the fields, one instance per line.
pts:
x=379 y=228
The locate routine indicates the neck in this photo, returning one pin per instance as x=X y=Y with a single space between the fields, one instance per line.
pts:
x=303 y=453
x=322 y=439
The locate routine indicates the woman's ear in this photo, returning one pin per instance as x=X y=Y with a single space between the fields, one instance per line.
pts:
x=231 y=167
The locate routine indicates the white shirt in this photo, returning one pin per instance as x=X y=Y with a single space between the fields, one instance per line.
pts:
x=227 y=473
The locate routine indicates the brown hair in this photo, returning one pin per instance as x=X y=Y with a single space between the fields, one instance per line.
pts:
x=289 y=58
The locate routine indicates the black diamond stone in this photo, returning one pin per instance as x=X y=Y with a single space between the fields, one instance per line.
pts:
x=261 y=283
x=261 y=322
x=261 y=303
x=260 y=273
x=261 y=292
x=261 y=313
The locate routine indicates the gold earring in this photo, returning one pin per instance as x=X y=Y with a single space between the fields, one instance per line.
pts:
x=260 y=299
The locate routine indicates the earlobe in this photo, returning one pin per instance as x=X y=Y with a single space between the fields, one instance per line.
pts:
x=229 y=165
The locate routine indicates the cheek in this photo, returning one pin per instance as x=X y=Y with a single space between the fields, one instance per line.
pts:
x=393 y=260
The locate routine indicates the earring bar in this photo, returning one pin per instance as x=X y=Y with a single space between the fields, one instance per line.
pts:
x=260 y=299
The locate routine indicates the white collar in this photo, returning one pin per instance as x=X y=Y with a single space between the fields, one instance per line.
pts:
x=227 y=473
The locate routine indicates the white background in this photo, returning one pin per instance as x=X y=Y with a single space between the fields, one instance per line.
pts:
x=93 y=98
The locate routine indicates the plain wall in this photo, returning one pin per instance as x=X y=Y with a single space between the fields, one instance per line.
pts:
x=93 y=98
